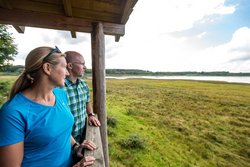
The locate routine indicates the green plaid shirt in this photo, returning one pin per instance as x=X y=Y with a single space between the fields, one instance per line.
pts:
x=78 y=96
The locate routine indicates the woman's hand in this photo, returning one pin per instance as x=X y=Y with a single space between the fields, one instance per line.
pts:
x=86 y=144
x=86 y=161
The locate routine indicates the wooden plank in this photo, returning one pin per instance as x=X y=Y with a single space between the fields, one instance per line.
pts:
x=98 y=12
x=45 y=20
x=99 y=6
x=38 y=6
x=5 y=4
x=97 y=16
x=99 y=83
x=93 y=134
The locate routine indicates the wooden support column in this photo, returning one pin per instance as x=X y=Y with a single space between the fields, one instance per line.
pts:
x=99 y=83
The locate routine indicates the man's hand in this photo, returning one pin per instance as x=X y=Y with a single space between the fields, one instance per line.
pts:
x=92 y=120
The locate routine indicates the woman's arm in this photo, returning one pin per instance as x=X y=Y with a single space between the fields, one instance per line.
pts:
x=11 y=155
x=72 y=141
x=86 y=161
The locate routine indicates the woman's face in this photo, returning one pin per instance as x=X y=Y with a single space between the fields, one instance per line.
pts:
x=59 y=72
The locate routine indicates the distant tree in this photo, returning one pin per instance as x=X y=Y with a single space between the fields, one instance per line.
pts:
x=17 y=69
x=8 y=49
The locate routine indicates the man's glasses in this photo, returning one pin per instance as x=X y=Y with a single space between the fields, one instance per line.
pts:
x=55 y=50
x=83 y=64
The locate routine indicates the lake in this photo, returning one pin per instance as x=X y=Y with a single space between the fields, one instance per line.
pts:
x=236 y=79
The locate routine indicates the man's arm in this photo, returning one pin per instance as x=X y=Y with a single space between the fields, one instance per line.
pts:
x=92 y=120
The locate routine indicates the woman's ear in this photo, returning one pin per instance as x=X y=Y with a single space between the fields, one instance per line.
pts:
x=47 y=68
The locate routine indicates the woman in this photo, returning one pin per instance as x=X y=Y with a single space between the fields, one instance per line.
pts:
x=35 y=123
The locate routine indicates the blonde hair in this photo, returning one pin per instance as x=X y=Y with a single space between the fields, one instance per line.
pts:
x=33 y=64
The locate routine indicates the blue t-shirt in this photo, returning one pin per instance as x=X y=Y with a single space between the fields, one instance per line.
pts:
x=45 y=130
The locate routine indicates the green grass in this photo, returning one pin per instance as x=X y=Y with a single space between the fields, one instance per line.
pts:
x=5 y=85
x=181 y=123
x=177 y=123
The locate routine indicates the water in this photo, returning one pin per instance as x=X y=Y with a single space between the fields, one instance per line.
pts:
x=235 y=79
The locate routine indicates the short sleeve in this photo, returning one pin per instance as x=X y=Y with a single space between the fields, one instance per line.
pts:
x=12 y=126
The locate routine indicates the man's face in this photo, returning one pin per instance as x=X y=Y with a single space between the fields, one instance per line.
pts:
x=78 y=66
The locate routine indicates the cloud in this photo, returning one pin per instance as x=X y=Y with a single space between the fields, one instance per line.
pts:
x=233 y=56
x=241 y=40
x=163 y=36
x=239 y=45
x=201 y=34
x=241 y=58
x=176 y=15
x=35 y=37
x=111 y=47
x=80 y=39
x=156 y=45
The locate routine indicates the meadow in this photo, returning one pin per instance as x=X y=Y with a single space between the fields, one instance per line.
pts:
x=178 y=123
x=175 y=123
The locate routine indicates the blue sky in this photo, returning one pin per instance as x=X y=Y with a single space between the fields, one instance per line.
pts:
x=165 y=35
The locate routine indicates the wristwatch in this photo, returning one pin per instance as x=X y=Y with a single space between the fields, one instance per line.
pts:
x=74 y=146
x=91 y=114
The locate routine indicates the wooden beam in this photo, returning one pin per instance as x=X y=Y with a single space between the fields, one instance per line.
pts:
x=6 y=4
x=68 y=11
x=67 y=7
x=117 y=38
x=19 y=29
x=73 y=34
x=53 y=21
x=99 y=83
x=112 y=29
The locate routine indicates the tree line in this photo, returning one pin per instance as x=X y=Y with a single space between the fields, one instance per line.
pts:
x=17 y=69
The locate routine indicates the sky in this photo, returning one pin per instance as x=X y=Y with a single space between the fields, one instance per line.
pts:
x=164 y=35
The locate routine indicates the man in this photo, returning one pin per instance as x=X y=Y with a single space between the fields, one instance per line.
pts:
x=78 y=96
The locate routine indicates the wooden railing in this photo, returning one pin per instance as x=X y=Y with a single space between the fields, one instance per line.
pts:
x=93 y=134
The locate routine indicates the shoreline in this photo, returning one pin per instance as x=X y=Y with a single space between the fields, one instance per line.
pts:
x=228 y=79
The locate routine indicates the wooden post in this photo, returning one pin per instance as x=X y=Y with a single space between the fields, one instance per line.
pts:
x=99 y=83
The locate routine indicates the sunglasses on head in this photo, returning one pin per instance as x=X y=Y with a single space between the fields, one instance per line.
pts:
x=55 y=50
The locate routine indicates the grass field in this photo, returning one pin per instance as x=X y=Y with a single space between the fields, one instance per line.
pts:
x=5 y=85
x=178 y=123
x=161 y=123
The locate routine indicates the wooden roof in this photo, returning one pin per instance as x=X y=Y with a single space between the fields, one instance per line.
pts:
x=71 y=15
